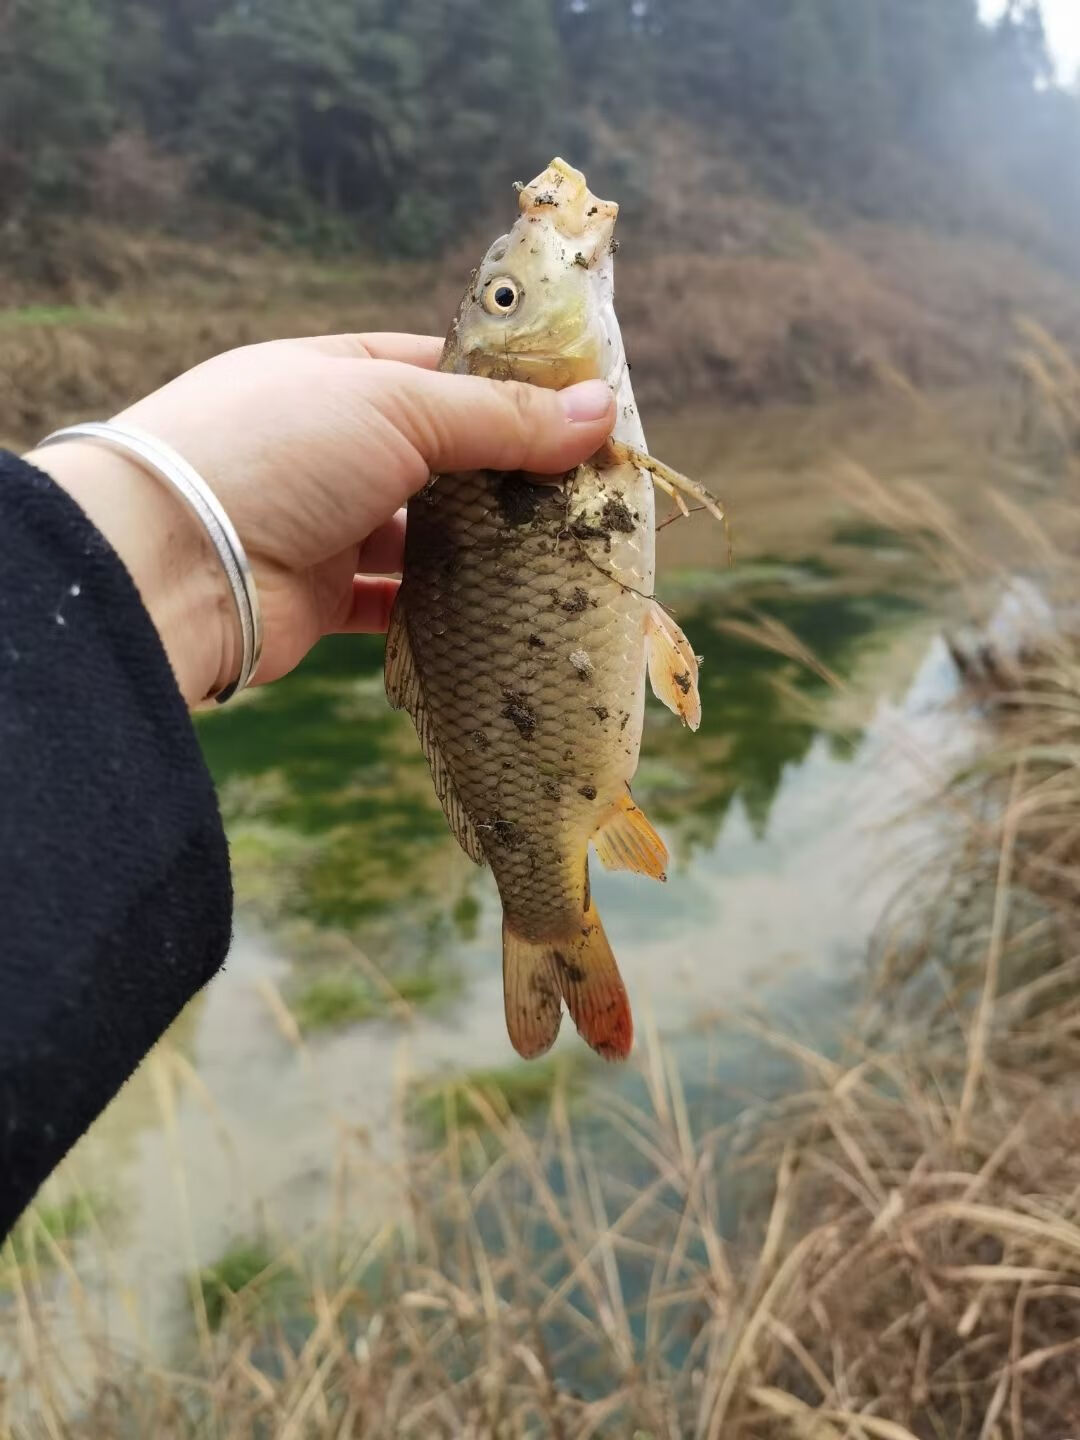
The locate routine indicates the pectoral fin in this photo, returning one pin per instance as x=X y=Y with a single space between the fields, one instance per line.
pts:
x=673 y=666
x=663 y=477
x=405 y=692
x=626 y=841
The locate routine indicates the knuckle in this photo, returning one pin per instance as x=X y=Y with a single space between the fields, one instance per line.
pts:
x=356 y=346
x=523 y=399
x=523 y=408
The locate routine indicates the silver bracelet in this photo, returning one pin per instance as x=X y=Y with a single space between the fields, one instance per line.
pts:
x=164 y=463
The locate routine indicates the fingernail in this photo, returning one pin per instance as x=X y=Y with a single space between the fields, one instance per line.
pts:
x=591 y=400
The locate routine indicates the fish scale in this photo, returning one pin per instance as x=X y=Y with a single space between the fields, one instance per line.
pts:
x=523 y=729
x=525 y=626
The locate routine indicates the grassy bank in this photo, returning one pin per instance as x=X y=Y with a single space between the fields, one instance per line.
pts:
x=743 y=302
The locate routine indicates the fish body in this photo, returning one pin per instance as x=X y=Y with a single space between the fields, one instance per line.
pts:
x=525 y=627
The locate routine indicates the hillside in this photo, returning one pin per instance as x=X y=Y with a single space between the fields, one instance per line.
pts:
x=776 y=308
x=393 y=125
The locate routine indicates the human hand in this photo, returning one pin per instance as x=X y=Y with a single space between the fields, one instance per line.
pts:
x=312 y=447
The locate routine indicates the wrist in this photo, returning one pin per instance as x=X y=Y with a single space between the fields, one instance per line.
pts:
x=167 y=554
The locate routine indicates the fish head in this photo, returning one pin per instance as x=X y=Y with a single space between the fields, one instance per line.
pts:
x=540 y=307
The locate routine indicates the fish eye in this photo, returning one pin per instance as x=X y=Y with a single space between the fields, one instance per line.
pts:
x=501 y=296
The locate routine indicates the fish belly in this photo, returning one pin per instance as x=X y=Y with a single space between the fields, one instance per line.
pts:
x=525 y=606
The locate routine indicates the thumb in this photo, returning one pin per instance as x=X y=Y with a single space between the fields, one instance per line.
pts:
x=465 y=422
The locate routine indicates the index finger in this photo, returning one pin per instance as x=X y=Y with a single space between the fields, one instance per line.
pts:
x=421 y=350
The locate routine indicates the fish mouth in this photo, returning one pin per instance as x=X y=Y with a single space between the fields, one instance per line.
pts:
x=560 y=195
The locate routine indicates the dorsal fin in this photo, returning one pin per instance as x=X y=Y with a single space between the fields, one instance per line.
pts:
x=405 y=692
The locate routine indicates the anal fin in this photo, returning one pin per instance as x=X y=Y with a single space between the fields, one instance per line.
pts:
x=625 y=840
x=673 y=666
x=405 y=692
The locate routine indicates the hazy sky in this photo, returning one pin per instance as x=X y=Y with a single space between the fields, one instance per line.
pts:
x=1062 y=28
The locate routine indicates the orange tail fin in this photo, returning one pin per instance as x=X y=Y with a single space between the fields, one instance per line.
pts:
x=582 y=970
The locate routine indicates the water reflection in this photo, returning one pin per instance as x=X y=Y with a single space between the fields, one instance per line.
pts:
x=333 y=819
x=753 y=726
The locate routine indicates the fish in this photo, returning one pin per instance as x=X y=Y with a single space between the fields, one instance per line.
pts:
x=526 y=624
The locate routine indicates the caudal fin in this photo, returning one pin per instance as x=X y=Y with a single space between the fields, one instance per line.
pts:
x=578 y=968
x=531 y=993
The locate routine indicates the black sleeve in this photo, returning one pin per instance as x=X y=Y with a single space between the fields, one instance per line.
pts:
x=115 y=897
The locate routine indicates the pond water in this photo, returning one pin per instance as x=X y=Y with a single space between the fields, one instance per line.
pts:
x=367 y=945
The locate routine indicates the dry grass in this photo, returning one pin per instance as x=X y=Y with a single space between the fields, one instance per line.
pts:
x=153 y=308
x=749 y=303
x=898 y=1268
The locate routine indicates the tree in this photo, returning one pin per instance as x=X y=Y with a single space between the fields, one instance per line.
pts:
x=491 y=108
x=53 y=99
x=406 y=120
x=1021 y=34
x=319 y=100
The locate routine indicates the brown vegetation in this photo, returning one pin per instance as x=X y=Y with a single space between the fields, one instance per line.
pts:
x=772 y=309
